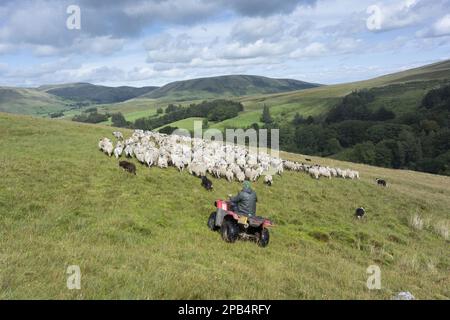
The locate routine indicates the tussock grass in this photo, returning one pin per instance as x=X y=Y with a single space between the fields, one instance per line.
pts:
x=416 y=222
x=62 y=202
x=442 y=228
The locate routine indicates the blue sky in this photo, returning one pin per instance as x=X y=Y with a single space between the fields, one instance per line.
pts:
x=153 y=42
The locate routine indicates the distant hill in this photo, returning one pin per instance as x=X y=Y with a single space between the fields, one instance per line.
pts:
x=284 y=97
x=226 y=86
x=29 y=101
x=95 y=93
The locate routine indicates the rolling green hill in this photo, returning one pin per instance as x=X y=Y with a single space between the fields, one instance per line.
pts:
x=94 y=93
x=62 y=202
x=282 y=96
x=400 y=92
x=225 y=86
x=29 y=101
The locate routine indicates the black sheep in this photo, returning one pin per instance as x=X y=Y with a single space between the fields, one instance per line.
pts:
x=128 y=166
x=381 y=182
x=206 y=183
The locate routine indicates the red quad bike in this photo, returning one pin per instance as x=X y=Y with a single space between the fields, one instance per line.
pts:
x=233 y=225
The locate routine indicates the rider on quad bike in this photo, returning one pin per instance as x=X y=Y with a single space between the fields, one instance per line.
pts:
x=245 y=201
x=236 y=218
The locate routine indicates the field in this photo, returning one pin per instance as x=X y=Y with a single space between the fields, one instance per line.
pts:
x=187 y=124
x=62 y=203
x=29 y=101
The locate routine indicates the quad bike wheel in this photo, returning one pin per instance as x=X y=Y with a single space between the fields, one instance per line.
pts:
x=263 y=239
x=229 y=230
x=212 y=222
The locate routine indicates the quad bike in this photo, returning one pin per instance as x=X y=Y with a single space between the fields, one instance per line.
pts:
x=234 y=225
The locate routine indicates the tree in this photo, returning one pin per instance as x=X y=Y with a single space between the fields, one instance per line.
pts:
x=383 y=155
x=383 y=114
x=351 y=132
x=352 y=107
x=310 y=120
x=171 y=108
x=266 y=118
x=332 y=146
x=205 y=123
x=159 y=110
x=118 y=120
x=168 y=130
x=254 y=126
x=411 y=146
x=57 y=114
x=364 y=153
x=93 y=117
x=429 y=125
x=298 y=120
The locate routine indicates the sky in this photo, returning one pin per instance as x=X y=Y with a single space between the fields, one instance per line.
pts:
x=154 y=42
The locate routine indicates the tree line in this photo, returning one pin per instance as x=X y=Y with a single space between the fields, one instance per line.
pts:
x=216 y=110
x=352 y=131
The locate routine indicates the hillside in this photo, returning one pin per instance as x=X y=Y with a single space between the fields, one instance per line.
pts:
x=29 y=101
x=94 y=93
x=225 y=86
x=399 y=91
x=64 y=203
x=404 y=90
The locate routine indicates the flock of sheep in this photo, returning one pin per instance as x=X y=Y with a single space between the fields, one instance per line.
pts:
x=199 y=157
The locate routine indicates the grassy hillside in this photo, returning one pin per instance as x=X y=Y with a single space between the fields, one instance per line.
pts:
x=94 y=93
x=399 y=92
x=29 y=101
x=225 y=86
x=62 y=203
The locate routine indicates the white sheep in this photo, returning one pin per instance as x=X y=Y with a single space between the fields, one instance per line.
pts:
x=240 y=176
x=118 y=135
x=268 y=179
x=229 y=175
x=202 y=156
x=118 y=150
x=314 y=172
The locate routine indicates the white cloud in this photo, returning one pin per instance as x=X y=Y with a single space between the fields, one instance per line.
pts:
x=442 y=27
x=102 y=45
x=45 y=50
x=252 y=50
x=6 y=48
x=154 y=42
x=438 y=29
x=253 y=29
x=387 y=17
x=172 y=49
x=312 y=50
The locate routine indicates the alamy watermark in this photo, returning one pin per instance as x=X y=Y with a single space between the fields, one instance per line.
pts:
x=375 y=19
x=256 y=141
x=374 y=279
x=74 y=277
x=73 y=22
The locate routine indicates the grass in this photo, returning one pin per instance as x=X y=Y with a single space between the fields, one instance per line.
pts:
x=29 y=101
x=62 y=202
x=187 y=123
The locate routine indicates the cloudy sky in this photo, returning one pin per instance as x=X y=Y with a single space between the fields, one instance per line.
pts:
x=153 y=42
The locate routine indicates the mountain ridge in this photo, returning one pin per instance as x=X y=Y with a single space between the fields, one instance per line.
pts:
x=227 y=85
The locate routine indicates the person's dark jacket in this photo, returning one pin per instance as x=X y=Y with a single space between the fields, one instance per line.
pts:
x=246 y=201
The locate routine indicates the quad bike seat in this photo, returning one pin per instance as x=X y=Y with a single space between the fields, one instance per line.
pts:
x=255 y=221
